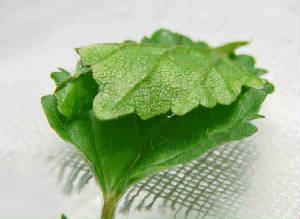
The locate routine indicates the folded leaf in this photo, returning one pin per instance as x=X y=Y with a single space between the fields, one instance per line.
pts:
x=153 y=79
x=135 y=109
x=76 y=94
x=126 y=150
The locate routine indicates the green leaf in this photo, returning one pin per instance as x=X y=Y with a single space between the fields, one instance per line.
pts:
x=63 y=216
x=55 y=119
x=135 y=109
x=60 y=76
x=150 y=80
x=168 y=38
x=269 y=88
x=243 y=130
x=126 y=150
x=76 y=94
x=231 y=47
x=248 y=63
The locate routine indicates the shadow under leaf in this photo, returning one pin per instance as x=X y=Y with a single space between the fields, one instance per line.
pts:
x=211 y=186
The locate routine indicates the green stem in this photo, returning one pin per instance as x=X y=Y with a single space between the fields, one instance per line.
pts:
x=109 y=207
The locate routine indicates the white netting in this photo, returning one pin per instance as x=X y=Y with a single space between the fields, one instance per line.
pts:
x=210 y=186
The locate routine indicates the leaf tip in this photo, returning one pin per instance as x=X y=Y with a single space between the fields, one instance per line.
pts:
x=268 y=87
x=231 y=47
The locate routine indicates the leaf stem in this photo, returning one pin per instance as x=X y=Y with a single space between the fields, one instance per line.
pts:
x=109 y=207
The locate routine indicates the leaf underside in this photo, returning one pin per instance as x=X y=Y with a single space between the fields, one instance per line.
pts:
x=123 y=151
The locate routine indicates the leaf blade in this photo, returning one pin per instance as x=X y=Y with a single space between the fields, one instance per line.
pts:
x=75 y=95
x=149 y=80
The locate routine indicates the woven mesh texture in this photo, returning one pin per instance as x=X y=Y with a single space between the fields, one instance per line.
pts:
x=210 y=186
x=37 y=36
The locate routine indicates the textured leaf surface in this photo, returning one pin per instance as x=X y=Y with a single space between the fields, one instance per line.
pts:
x=216 y=92
x=126 y=150
x=152 y=79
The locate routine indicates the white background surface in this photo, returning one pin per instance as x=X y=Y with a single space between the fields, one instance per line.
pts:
x=38 y=36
